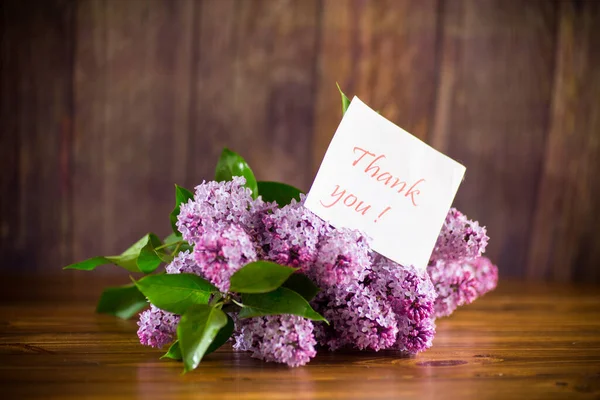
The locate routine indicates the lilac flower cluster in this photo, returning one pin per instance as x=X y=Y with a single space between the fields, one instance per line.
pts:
x=157 y=327
x=291 y=235
x=460 y=238
x=390 y=308
x=457 y=268
x=220 y=253
x=369 y=301
x=217 y=255
x=286 y=339
x=357 y=317
x=342 y=259
x=217 y=205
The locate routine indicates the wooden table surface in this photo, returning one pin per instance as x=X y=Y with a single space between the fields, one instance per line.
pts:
x=521 y=341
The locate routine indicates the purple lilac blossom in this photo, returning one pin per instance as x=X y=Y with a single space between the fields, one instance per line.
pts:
x=411 y=296
x=342 y=259
x=414 y=338
x=218 y=254
x=254 y=222
x=392 y=308
x=358 y=317
x=455 y=285
x=286 y=339
x=184 y=263
x=291 y=235
x=157 y=327
x=215 y=206
x=460 y=238
x=485 y=273
x=460 y=283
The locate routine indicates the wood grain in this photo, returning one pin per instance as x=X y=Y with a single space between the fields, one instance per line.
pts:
x=567 y=211
x=36 y=132
x=523 y=341
x=385 y=53
x=106 y=103
x=493 y=106
x=254 y=86
x=132 y=88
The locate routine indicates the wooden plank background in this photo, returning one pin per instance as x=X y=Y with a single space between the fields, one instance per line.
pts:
x=106 y=103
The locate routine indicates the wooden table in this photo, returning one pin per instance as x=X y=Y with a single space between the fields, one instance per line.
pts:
x=522 y=341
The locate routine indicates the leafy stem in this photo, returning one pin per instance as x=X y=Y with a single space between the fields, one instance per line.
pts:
x=217 y=300
x=162 y=246
x=174 y=253
x=237 y=303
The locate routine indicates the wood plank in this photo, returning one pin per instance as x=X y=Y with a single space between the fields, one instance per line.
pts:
x=254 y=83
x=516 y=342
x=565 y=243
x=492 y=113
x=35 y=144
x=385 y=53
x=132 y=92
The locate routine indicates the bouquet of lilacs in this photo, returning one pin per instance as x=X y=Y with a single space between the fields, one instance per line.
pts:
x=247 y=263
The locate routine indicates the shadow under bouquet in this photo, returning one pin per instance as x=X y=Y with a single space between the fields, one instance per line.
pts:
x=247 y=263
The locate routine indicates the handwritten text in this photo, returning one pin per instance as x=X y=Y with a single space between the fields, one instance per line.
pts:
x=375 y=170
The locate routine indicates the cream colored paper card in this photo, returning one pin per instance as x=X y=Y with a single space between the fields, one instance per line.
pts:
x=383 y=181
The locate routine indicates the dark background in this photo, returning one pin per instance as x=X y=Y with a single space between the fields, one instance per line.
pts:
x=106 y=104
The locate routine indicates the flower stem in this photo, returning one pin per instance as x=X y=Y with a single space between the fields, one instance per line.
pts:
x=162 y=246
x=174 y=253
x=238 y=303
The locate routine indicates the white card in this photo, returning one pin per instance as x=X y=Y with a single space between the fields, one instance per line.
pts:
x=383 y=181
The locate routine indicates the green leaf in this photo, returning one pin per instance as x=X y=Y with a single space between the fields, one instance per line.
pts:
x=345 y=100
x=278 y=192
x=302 y=285
x=175 y=292
x=222 y=337
x=259 y=277
x=141 y=257
x=182 y=196
x=196 y=331
x=123 y=301
x=279 y=301
x=232 y=164
x=148 y=258
x=90 y=264
x=174 y=352
x=128 y=259
x=174 y=240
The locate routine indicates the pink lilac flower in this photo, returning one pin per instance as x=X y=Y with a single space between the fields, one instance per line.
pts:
x=215 y=206
x=460 y=238
x=485 y=273
x=410 y=292
x=157 y=327
x=291 y=235
x=286 y=339
x=184 y=263
x=342 y=259
x=254 y=222
x=415 y=337
x=411 y=296
x=358 y=317
x=455 y=284
x=218 y=254
x=460 y=283
x=391 y=308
